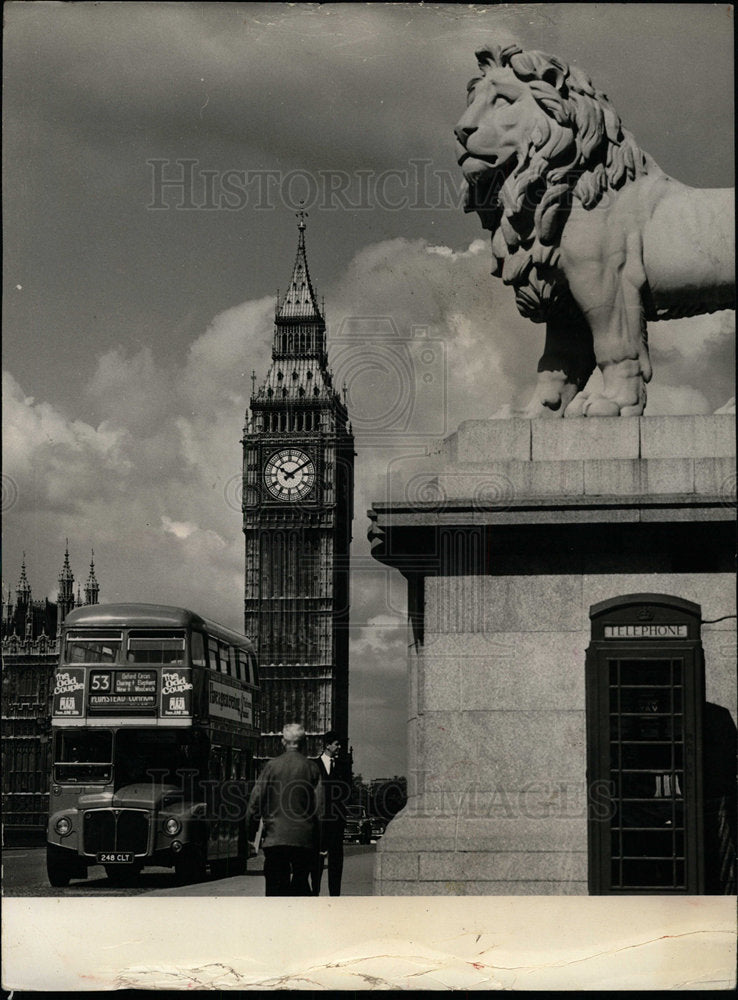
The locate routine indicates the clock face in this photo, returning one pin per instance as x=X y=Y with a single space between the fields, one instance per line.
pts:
x=289 y=474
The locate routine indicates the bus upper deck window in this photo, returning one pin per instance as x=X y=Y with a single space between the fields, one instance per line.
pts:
x=90 y=648
x=151 y=648
x=197 y=646
x=243 y=667
x=223 y=657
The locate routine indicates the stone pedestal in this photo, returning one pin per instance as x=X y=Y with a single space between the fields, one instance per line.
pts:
x=507 y=536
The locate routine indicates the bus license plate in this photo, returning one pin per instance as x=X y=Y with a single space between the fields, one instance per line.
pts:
x=115 y=858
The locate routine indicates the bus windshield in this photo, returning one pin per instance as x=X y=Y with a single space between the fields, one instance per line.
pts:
x=83 y=756
x=155 y=755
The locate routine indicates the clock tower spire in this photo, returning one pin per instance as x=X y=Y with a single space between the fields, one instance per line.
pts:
x=298 y=456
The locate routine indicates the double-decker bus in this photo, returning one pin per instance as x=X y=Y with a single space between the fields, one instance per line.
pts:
x=154 y=723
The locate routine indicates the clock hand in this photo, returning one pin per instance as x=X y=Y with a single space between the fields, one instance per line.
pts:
x=291 y=475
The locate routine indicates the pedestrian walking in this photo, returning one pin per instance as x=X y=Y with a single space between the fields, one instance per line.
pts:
x=287 y=801
x=336 y=781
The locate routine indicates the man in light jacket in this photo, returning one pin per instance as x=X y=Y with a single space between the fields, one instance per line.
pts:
x=287 y=798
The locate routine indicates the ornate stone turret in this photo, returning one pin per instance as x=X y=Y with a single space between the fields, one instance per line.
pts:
x=92 y=587
x=23 y=590
x=65 y=600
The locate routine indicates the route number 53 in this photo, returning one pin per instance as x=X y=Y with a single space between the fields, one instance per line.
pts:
x=100 y=682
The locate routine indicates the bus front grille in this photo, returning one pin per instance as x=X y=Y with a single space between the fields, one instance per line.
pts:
x=116 y=830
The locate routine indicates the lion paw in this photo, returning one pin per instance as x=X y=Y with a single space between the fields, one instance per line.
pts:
x=552 y=395
x=576 y=407
x=601 y=406
x=597 y=405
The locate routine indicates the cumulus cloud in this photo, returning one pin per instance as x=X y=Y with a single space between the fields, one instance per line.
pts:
x=58 y=463
x=699 y=352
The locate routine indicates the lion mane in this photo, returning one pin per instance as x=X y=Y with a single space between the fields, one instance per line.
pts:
x=577 y=148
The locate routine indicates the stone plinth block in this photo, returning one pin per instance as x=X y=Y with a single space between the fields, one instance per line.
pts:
x=504 y=866
x=480 y=888
x=688 y=436
x=716 y=477
x=413 y=834
x=502 y=749
x=504 y=604
x=503 y=670
x=489 y=441
x=500 y=483
x=516 y=531
x=567 y=440
x=523 y=673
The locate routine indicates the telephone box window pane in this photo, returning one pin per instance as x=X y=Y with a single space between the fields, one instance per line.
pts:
x=648 y=728
x=646 y=701
x=633 y=814
x=650 y=785
x=647 y=874
x=648 y=844
x=647 y=756
x=645 y=671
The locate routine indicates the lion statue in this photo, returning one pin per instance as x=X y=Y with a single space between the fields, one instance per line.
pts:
x=592 y=235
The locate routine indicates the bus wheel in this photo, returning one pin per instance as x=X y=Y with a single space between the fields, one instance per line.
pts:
x=59 y=869
x=190 y=866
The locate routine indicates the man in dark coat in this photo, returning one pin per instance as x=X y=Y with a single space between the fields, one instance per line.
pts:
x=287 y=799
x=336 y=780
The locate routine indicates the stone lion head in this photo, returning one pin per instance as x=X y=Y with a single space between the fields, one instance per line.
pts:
x=535 y=135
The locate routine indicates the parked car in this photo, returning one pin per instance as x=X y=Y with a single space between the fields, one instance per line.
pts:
x=358 y=826
x=378 y=826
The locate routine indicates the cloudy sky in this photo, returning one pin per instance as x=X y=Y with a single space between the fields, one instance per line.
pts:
x=135 y=310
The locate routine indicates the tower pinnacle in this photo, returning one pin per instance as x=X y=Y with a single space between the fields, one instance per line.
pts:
x=65 y=599
x=299 y=301
x=92 y=587
x=23 y=590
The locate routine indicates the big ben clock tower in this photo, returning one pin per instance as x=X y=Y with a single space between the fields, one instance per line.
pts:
x=298 y=460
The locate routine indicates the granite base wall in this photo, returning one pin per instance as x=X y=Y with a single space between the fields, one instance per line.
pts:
x=496 y=683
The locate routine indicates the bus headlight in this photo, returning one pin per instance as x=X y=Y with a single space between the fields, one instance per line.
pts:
x=172 y=826
x=63 y=826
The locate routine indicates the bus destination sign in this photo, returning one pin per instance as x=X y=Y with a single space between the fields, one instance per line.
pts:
x=128 y=690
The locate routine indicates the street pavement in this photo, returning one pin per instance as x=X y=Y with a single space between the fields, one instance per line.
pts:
x=24 y=874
